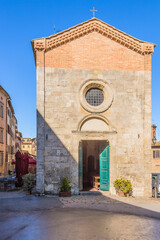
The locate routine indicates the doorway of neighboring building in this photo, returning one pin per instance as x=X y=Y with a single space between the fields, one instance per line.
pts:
x=93 y=165
x=156 y=185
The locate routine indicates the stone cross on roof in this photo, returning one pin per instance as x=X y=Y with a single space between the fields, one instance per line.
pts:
x=93 y=11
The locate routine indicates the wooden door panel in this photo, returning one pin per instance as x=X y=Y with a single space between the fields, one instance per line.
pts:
x=104 y=169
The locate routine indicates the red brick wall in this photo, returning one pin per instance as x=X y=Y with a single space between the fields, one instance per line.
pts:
x=94 y=51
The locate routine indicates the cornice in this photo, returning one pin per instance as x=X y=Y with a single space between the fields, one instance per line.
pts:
x=11 y=107
x=4 y=92
x=94 y=24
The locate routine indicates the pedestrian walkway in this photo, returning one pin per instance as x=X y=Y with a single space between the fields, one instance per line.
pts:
x=12 y=194
x=107 y=202
x=18 y=201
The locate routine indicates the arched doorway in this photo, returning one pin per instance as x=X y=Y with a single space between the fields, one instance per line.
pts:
x=93 y=162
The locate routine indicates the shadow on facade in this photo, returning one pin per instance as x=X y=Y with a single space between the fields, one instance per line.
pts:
x=54 y=160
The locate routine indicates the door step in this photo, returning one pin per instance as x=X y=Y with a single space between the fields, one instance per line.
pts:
x=86 y=193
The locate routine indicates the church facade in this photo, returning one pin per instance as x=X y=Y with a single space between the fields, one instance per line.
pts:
x=93 y=108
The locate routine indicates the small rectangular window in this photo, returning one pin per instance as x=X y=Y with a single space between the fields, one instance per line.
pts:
x=158 y=154
x=9 y=130
x=1 y=110
x=154 y=154
x=1 y=158
x=1 y=135
x=12 y=149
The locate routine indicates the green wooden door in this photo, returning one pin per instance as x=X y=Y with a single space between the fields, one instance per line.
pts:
x=104 y=169
x=80 y=166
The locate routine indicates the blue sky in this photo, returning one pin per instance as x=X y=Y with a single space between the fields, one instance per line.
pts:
x=22 y=21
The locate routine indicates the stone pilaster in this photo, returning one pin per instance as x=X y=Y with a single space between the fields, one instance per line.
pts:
x=40 y=124
x=147 y=135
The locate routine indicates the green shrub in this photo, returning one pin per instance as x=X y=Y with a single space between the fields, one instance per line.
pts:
x=29 y=182
x=123 y=185
x=65 y=185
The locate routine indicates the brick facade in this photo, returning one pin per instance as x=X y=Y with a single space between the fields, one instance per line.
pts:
x=95 y=51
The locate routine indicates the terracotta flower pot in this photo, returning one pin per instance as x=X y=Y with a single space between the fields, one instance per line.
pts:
x=121 y=194
x=64 y=194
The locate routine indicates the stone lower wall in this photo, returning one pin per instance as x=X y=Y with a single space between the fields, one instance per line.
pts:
x=60 y=112
x=59 y=163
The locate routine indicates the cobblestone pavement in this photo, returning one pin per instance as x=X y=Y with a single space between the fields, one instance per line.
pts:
x=106 y=202
x=78 y=217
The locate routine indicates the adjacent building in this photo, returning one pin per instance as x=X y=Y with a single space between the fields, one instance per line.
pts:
x=4 y=98
x=8 y=128
x=18 y=140
x=93 y=108
x=34 y=147
x=155 y=152
x=29 y=146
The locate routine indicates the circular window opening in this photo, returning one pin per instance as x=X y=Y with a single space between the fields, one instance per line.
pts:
x=94 y=96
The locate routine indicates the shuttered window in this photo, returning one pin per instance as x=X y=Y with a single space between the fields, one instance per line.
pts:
x=1 y=110
x=1 y=158
x=156 y=154
x=1 y=135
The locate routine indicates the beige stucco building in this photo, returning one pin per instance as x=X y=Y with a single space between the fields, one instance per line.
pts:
x=18 y=140
x=155 y=152
x=93 y=95
x=29 y=145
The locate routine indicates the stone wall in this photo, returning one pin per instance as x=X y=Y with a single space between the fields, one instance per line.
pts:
x=60 y=113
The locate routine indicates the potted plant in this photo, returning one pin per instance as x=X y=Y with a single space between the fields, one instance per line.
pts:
x=65 y=190
x=29 y=183
x=123 y=187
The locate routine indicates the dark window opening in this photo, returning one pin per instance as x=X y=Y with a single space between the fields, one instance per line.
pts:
x=94 y=96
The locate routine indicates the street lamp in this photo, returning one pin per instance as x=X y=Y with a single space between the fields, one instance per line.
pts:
x=154 y=140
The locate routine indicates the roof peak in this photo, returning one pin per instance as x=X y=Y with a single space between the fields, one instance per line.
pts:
x=93 y=24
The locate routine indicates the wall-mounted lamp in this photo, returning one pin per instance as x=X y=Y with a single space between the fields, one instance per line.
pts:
x=154 y=140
